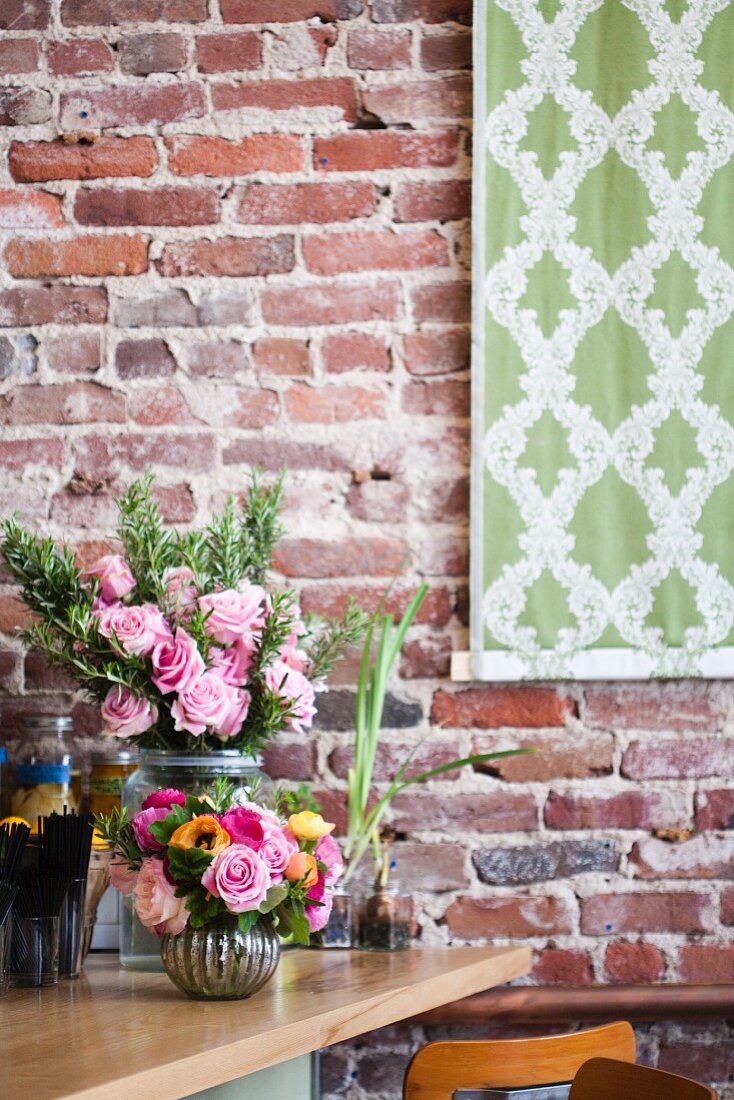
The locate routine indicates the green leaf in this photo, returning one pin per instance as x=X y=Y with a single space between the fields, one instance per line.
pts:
x=203 y=907
x=292 y=921
x=245 y=921
x=163 y=830
x=188 y=865
x=273 y=898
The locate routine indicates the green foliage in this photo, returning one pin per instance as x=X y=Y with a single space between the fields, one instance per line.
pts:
x=187 y=865
x=149 y=547
x=201 y=905
x=262 y=525
x=246 y=921
x=116 y=828
x=179 y=815
x=293 y=802
x=292 y=921
x=329 y=640
x=275 y=896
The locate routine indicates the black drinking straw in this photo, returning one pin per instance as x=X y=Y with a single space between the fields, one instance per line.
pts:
x=13 y=839
x=65 y=845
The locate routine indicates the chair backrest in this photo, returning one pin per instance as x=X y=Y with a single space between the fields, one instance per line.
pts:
x=604 y=1079
x=438 y=1069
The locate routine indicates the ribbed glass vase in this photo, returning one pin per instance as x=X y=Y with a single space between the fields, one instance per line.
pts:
x=140 y=949
x=219 y=962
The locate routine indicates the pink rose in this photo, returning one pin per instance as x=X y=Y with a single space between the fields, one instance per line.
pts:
x=156 y=904
x=245 y=826
x=233 y=614
x=293 y=687
x=136 y=629
x=318 y=915
x=239 y=877
x=165 y=799
x=125 y=714
x=276 y=850
x=122 y=877
x=234 y=721
x=114 y=576
x=233 y=663
x=329 y=853
x=141 y=827
x=180 y=591
x=177 y=663
x=208 y=704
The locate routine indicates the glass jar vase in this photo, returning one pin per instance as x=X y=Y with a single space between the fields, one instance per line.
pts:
x=160 y=770
x=386 y=919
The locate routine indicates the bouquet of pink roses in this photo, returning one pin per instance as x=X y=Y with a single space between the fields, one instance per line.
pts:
x=190 y=860
x=177 y=637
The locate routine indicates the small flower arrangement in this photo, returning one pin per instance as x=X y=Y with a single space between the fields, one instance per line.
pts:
x=191 y=860
x=177 y=637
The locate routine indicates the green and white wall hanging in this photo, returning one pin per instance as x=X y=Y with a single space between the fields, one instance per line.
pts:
x=603 y=359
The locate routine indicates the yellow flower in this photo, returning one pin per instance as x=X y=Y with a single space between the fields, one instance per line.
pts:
x=309 y=826
x=201 y=832
x=302 y=865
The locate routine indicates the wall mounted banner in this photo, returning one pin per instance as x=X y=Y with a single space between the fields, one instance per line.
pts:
x=603 y=358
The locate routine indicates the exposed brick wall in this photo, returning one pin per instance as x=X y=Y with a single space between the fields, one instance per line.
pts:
x=237 y=233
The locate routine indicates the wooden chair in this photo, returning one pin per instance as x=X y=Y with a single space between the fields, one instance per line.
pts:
x=604 y=1079
x=438 y=1069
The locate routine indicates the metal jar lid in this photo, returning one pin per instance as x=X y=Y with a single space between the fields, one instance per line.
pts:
x=111 y=754
x=48 y=723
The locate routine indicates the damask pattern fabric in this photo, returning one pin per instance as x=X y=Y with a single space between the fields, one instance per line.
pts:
x=603 y=496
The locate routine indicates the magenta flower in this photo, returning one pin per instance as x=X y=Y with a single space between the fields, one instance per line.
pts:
x=137 y=629
x=276 y=849
x=318 y=915
x=167 y=799
x=293 y=687
x=329 y=853
x=239 y=877
x=234 y=614
x=210 y=704
x=234 y=662
x=141 y=827
x=114 y=576
x=125 y=714
x=177 y=663
x=245 y=826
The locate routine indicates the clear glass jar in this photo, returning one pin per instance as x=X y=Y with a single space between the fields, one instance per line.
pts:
x=111 y=766
x=46 y=775
x=159 y=770
x=340 y=929
x=386 y=919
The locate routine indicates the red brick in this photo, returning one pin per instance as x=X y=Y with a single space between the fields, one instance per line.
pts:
x=568 y=757
x=103 y=255
x=437 y=352
x=157 y=309
x=440 y=398
x=13 y=613
x=491 y=812
x=437 y=200
x=333 y=404
x=288 y=11
x=218 y=359
x=374 y=150
x=34 y=161
x=373 y=250
x=633 y=963
x=495 y=707
x=426 y=659
x=280 y=355
x=10 y=665
x=296 y=203
x=390 y=756
x=415 y=100
x=176 y=503
x=337 y=303
x=703 y=963
x=727 y=905
x=379 y=501
x=61 y=305
x=24 y=106
x=76 y=13
x=296 y=48
x=699 y=857
x=18 y=454
x=238 y=407
x=446 y=51
x=83 y=511
x=444 y=556
x=233 y=308
x=159 y=406
x=484 y=918
x=150 y=358
x=611 y=914
x=68 y=403
x=444 y=500
x=676 y=705
x=628 y=810
x=709 y=1060
x=431 y=867
x=373 y=557
x=715 y=809
x=442 y=302
x=273 y=454
x=290 y=759
x=29 y=210
x=148 y=206
x=555 y=966
x=224 y=53
x=240 y=256
x=25 y=15
x=105 y=456
x=141 y=54
x=688 y=758
x=80 y=57
x=19 y=55
x=132 y=105
x=331 y=602
x=429 y=11
x=74 y=354
x=370 y=48
x=216 y=156
x=288 y=95
x=345 y=351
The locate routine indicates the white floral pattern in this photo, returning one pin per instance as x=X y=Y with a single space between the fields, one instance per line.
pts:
x=548 y=384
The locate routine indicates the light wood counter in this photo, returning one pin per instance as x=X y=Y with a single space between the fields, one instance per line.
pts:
x=115 y=1034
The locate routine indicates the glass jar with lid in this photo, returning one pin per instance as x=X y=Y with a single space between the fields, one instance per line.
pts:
x=46 y=777
x=111 y=765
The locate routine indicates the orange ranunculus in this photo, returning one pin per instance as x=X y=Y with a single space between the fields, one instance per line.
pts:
x=201 y=832
x=309 y=826
x=302 y=865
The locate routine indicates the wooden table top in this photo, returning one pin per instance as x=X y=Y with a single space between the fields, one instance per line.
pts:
x=114 y=1034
